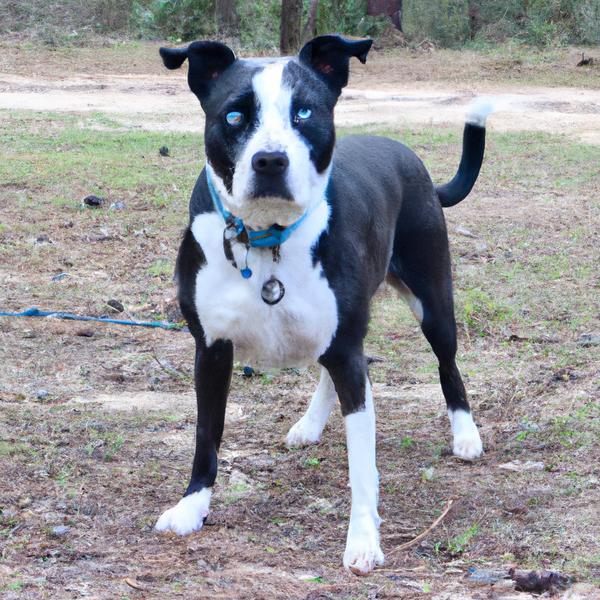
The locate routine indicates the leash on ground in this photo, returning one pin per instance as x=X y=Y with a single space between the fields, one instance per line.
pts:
x=36 y=312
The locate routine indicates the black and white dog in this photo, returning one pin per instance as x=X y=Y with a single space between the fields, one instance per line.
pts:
x=290 y=236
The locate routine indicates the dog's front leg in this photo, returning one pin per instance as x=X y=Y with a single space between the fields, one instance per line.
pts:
x=349 y=374
x=213 y=367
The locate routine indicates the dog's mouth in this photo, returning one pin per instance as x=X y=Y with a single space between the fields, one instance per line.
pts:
x=263 y=211
x=270 y=187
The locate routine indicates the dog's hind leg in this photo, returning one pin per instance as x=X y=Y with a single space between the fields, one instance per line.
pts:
x=213 y=367
x=420 y=270
x=309 y=428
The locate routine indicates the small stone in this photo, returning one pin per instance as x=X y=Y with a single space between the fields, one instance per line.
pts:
x=164 y=151
x=487 y=576
x=589 y=339
x=118 y=205
x=24 y=502
x=116 y=305
x=84 y=332
x=60 y=530
x=522 y=465
x=237 y=478
x=44 y=238
x=42 y=394
x=93 y=201
x=427 y=474
x=464 y=231
x=504 y=585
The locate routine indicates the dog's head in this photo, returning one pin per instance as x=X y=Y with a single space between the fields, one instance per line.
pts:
x=269 y=132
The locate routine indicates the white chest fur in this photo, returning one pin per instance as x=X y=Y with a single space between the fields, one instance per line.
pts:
x=295 y=331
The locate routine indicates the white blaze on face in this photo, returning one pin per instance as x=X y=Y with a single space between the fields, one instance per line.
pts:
x=274 y=133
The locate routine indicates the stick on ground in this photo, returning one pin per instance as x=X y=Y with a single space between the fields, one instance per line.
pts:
x=425 y=533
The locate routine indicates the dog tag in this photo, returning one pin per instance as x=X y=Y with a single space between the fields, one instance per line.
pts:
x=272 y=291
x=230 y=232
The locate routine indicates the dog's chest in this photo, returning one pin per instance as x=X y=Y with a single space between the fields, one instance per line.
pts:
x=293 y=332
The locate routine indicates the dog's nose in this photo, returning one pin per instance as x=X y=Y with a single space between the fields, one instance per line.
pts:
x=270 y=163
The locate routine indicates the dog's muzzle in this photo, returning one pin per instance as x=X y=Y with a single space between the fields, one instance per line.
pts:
x=270 y=170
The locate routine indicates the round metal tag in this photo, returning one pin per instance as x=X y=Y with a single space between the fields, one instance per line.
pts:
x=272 y=291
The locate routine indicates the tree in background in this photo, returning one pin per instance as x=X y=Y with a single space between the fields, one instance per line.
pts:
x=389 y=8
x=310 y=27
x=226 y=16
x=261 y=26
x=291 y=21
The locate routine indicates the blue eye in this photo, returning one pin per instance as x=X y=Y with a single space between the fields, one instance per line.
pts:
x=234 y=118
x=303 y=113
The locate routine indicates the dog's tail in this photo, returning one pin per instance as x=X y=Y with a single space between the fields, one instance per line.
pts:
x=459 y=187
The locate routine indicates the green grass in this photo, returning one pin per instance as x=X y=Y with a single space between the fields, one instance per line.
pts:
x=67 y=156
x=160 y=268
x=14 y=448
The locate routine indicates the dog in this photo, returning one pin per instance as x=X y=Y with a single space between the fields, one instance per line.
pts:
x=290 y=235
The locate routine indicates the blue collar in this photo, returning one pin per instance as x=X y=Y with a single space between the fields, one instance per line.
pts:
x=274 y=236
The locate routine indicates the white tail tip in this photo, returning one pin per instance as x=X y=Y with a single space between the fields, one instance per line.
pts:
x=479 y=110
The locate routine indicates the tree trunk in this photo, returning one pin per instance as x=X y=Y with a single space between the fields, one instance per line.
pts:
x=291 y=19
x=474 y=19
x=387 y=8
x=310 y=27
x=226 y=15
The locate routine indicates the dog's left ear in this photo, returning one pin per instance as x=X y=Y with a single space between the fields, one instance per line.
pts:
x=329 y=56
x=207 y=61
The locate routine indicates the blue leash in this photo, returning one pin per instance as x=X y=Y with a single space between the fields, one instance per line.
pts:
x=36 y=312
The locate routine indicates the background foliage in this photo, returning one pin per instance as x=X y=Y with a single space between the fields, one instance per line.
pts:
x=451 y=23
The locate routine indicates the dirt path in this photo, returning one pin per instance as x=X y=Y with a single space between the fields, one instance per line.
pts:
x=163 y=103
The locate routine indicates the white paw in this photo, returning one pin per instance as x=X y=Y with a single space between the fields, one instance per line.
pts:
x=187 y=515
x=363 y=553
x=467 y=443
x=468 y=448
x=304 y=433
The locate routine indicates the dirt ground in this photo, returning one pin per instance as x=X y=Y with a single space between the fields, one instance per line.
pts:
x=384 y=91
x=97 y=421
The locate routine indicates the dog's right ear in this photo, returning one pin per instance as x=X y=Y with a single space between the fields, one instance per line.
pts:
x=207 y=61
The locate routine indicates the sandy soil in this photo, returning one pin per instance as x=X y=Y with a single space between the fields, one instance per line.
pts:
x=164 y=103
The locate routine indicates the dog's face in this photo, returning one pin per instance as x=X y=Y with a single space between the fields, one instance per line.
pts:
x=269 y=132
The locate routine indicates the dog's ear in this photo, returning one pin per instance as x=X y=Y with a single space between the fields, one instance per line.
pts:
x=329 y=56
x=207 y=61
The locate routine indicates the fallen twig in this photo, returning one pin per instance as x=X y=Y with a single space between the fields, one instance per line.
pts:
x=171 y=371
x=425 y=533
x=131 y=582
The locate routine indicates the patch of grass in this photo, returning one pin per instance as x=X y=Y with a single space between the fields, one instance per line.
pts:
x=54 y=154
x=15 y=586
x=480 y=311
x=160 y=268
x=8 y=448
x=406 y=443
x=458 y=544
x=317 y=579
